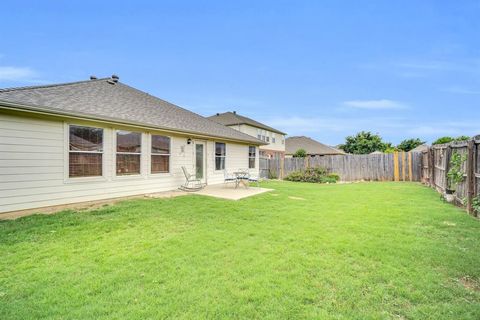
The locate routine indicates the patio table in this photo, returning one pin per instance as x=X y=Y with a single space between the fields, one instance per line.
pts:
x=241 y=177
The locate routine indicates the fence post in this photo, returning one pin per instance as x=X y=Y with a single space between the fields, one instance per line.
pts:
x=396 y=172
x=431 y=167
x=448 y=153
x=410 y=168
x=282 y=167
x=470 y=175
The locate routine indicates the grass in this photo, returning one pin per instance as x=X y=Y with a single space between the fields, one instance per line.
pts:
x=355 y=251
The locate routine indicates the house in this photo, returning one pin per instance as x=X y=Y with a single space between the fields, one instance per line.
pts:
x=99 y=139
x=275 y=139
x=312 y=147
x=421 y=148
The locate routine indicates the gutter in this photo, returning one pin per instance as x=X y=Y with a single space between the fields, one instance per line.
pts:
x=80 y=116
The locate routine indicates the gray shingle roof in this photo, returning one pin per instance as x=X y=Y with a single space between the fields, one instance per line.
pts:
x=420 y=148
x=313 y=147
x=230 y=118
x=103 y=99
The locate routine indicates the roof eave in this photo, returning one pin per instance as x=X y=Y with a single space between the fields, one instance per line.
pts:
x=50 y=111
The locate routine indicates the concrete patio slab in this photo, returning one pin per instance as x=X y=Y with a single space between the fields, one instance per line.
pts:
x=218 y=191
x=229 y=192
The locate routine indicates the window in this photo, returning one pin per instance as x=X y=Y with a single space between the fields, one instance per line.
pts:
x=259 y=134
x=129 y=150
x=220 y=154
x=251 y=157
x=85 y=152
x=273 y=137
x=160 y=154
x=268 y=139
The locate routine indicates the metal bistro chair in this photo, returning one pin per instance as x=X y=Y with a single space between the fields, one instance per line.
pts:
x=243 y=177
x=191 y=183
x=254 y=179
x=228 y=178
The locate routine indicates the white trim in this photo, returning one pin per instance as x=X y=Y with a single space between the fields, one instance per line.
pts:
x=140 y=175
x=66 y=156
x=22 y=108
x=215 y=156
x=254 y=157
x=205 y=158
x=150 y=154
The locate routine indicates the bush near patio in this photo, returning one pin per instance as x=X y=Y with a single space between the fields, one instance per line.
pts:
x=313 y=175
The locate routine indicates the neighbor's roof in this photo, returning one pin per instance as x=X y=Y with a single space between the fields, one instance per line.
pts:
x=420 y=148
x=232 y=118
x=104 y=99
x=292 y=144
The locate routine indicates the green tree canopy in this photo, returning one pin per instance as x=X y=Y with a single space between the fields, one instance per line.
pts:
x=463 y=138
x=409 y=144
x=300 y=153
x=363 y=142
x=443 y=140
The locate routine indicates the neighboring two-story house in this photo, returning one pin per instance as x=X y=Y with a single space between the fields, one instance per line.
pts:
x=275 y=138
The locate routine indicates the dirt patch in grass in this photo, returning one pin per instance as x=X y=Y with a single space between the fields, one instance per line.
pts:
x=469 y=283
x=448 y=223
x=295 y=198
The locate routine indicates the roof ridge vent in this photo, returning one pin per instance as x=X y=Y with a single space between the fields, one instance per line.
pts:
x=113 y=79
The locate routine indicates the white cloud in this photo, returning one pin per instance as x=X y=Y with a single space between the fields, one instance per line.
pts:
x=422 y=68
x=335 y=129
x=301 y=125
x=428 y=65
x=9 y=73
x=461 y=90
x=375 y=104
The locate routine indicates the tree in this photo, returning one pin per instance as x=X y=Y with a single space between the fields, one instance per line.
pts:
x=463 y=138
x=363 y=142
x=300 y=153
x=443 y=140
x=409 y=144
x=389 y=148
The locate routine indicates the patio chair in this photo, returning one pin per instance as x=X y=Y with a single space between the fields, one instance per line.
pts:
x=254 y=179
x=191 y=183
x=228 y=178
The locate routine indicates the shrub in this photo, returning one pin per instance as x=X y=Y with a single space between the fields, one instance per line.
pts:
x=272 y=174
x=313 y=175
x=455 y=173
x=476 y=204
x=300 y=153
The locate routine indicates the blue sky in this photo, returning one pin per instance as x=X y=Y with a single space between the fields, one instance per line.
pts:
x=324 y=69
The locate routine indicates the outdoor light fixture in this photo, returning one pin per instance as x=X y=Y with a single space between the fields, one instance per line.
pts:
x=189 y=141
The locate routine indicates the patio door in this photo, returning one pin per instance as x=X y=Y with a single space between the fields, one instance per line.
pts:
x=200 y=161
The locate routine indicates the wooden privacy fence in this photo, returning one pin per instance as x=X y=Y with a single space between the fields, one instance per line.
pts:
x=399 y=166
x=436 y=164
x=430 y=167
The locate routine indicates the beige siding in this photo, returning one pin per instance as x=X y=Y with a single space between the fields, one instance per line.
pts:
x=252 y=131
x=237 y=158
x=34 y=166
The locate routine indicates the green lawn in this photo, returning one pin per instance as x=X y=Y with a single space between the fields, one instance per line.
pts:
x=354 y=251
